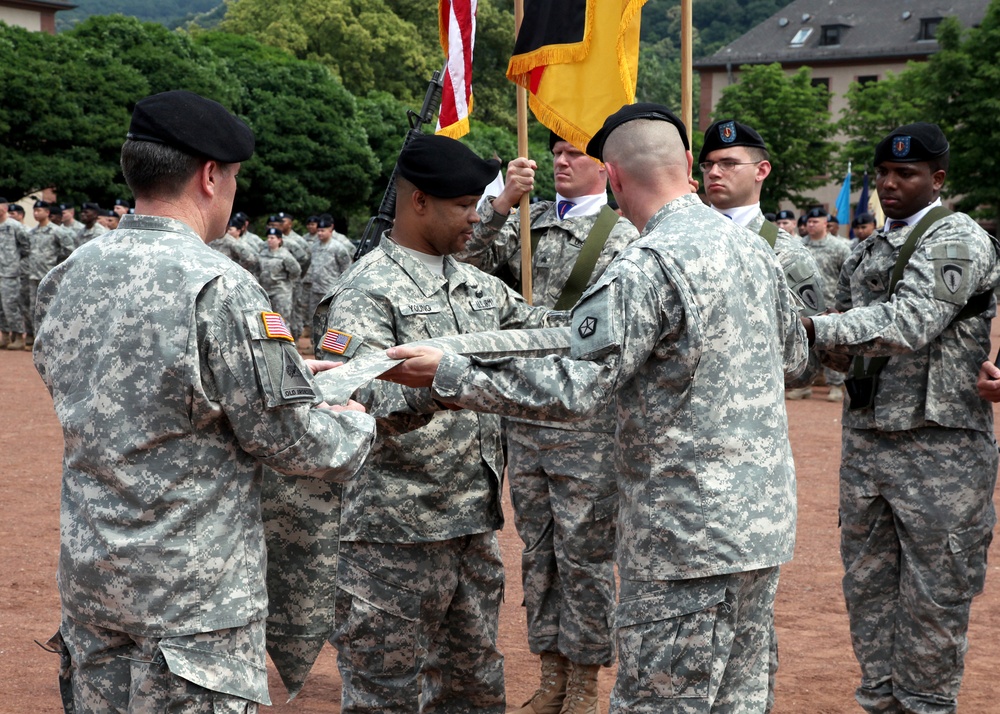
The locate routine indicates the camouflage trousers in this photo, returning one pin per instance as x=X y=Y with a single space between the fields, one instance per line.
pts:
x=11 y=310
x=111 y=672
x=29 y=288
x=917 y=515
x=565 y=499
x=698 y=646
x=416 y=626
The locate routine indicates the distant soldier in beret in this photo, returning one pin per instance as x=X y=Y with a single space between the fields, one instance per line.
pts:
x=833 y=225
x=919 y=457
x=174 y=382
x=90 y=227
x=830 y=253
x=691 y=331
x=14 y=247
x=420 y=568
x=330 y=260
x=48 y=245
x=862 y=226
x=121 y=206
x=299 y=249
x=563 y=490
x=232 y=245
x=69 y=220
x=16 y=212
x=785 y=220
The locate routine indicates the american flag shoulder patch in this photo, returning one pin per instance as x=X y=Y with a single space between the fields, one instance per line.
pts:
x=275 y=327
x=335 y=341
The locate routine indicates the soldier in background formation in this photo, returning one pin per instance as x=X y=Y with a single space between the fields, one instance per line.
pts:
x=14 y=249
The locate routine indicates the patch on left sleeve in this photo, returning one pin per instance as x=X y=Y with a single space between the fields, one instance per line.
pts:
x=594 y=329
x=275 y=327
x=953 y=280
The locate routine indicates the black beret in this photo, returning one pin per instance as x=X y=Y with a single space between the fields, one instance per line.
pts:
x=272 y=231
x=784 y=216
x=324 y=222
x=312 y=219
x=817 y=212
x=55 y=210
x=90 y=206
x=4 y=200
x=42 y=204
x=65 y=206
x=863 y=218
x=235 y=222
x=770 y=217
x=192 y=124
x=911 y=143
x=802 y=220
x=15 y=207
x=122 y=202
x=282 y=215
x=832 y=218
x=110 y=214
x=326 y=216
x=640 y=110
x=444 y=167
x=554 y=138
x=729 y=132
x=241 y=216
x=274 y=218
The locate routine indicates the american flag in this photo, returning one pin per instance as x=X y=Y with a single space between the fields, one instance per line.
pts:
x=275 y=326
x=457 y=27
x=336 y=342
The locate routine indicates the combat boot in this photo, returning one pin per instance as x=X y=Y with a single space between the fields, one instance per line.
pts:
x=17 y=343
x=552 y=689
x=4 y=340
x=581 y=690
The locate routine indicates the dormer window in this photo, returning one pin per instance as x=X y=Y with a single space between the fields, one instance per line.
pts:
x=801 y=36
x=928 y=28
x=830 y=35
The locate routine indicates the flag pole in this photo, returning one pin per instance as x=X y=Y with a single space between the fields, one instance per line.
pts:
x=687 y=78
x=522 y=150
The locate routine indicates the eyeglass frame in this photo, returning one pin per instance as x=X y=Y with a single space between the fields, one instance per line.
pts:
x=724 y=163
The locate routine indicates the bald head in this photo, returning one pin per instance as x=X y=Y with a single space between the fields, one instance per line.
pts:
x=648 y=167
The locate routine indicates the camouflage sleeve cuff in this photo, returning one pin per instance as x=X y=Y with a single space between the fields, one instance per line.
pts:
x=825 y=329
x=448 y=380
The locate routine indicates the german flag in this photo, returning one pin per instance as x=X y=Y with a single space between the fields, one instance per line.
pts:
x=579 y=60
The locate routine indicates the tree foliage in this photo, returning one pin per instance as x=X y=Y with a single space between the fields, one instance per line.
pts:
x=792 y=117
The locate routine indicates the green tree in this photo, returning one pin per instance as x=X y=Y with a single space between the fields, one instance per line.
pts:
x=792 y=117
x=961 y=83
x=876 y=108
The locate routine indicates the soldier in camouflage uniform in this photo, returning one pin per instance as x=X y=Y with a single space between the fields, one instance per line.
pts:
x=831 y=253
x=13 y=255
x=691 y=330
x=562 y=483
x=421 y=576
x=173 y=384
x=330 y=260
x=279 y=274
x=90 y=228
x=733 y=188
x=919 y=459
x=48 y=245
x=237 y=249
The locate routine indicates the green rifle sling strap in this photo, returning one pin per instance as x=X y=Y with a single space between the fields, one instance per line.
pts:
x=585 y=262
x=876 y=364
x=769 y=232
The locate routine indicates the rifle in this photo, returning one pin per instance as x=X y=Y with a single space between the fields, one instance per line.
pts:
x=382 y=221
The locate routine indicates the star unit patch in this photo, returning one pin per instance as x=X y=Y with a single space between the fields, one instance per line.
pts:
x=275 y=327
x=335 y=341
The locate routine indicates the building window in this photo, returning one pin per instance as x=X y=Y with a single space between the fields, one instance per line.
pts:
x=865 y=79
x=929 y=27
x=823 y=82
x=830 y=35
x=801 y=36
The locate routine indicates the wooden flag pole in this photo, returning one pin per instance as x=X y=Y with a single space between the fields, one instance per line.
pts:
x=522 y=150
x=687 y=62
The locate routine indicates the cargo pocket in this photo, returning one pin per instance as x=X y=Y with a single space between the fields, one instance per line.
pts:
x=968 y=548
x=379 y=633
x=606 y=507
x=667 y=641
x=220 y=672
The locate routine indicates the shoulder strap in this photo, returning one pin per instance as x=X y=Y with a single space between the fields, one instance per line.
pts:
x=585 y=262
x=876 y=364
x=769 y=232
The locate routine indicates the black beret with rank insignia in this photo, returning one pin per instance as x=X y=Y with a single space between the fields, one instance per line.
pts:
x=910 y=143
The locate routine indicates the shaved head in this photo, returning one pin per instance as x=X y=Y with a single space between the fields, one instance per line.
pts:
x=647 y=146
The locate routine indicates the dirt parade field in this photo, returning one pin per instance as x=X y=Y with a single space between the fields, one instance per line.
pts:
x=818 y=671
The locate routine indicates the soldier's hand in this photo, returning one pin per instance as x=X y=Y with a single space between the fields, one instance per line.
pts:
x=520 y=180
x=419 y=368
x=351 y=406
x=988 y=382
x=318 y=365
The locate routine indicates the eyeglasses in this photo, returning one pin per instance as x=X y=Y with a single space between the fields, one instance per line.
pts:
x=725 y=166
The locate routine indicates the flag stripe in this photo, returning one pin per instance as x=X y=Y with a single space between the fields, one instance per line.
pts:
x=457 y=29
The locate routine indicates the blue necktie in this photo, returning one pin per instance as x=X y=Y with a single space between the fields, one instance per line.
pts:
x=563 y=208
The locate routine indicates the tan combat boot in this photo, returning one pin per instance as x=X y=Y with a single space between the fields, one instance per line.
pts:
x=552 y=690
x=581 y=690
x=4 y=340
x=17 y=343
